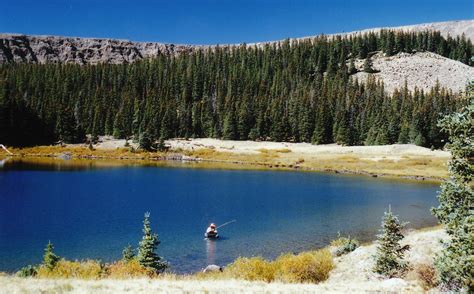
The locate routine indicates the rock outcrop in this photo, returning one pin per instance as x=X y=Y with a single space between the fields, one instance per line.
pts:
x=420 y=70
x=54 y=49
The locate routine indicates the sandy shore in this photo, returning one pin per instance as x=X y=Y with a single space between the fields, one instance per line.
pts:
x=352 y=274
x=395 y=151
x=395 y=161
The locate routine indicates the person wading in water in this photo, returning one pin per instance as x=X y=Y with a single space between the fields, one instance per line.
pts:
x=211 y=231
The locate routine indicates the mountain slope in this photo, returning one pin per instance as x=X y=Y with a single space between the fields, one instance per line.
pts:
x=451 y=28
x=55 y=49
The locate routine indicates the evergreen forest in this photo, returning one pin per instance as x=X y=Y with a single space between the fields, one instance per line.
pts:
x=295 y=91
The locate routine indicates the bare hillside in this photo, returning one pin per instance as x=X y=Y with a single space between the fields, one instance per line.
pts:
x=421 y=70
x=451 y=28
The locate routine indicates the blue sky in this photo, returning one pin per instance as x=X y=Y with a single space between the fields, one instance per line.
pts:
x=218 y=21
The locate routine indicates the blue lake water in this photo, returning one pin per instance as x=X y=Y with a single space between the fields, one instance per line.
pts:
x=96 y=212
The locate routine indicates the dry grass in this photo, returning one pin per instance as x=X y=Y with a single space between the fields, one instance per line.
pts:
x=426 y=273
x=408 y=166
x=127 y=269
x=87 y=270
x=251 y=269
x=93 y=270
x=283 y=150
x=306 y=267
x=82 y=152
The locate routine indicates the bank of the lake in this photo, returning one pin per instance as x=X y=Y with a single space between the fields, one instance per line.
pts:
x=352 y=274
x=392 y=161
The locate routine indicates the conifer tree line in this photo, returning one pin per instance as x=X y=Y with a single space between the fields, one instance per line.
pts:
x=289 y=91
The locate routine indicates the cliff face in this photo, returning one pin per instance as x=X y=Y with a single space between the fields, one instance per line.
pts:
x=52 y=49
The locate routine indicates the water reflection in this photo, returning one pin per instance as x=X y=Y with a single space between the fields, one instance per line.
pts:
x=75 y=164
x=210 y=250
x=3 y=161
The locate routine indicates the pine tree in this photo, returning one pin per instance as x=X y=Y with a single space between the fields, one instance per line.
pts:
x=344 y=130
x=368 y=65
x=145 y=141
x=66 y=126
x=118 y=127
x=146 y=249
x=49 y=258
x=230 y=131
x=389 y=257
x=403 y=137
x=128 y=253
x=352 y=68
x=455 y=263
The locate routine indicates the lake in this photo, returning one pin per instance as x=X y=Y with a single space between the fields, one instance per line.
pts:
x=91 y=211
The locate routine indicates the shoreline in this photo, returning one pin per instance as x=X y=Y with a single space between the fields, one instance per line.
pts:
x=351 y=272
x=406 y=162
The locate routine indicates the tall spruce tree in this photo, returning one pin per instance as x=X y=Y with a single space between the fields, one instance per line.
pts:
x=389 y=257
x=455 y=263
x=147 y=256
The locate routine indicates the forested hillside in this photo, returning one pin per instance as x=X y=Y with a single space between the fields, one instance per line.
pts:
x=301 y=92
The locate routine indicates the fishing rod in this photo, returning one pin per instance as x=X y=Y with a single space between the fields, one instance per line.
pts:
x=225 y=224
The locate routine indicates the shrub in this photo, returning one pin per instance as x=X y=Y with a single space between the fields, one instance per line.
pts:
x=306 y=267
x=339 y=241
x=89 y=269
x=346 y=245
x=127 y=269
x=252 y=269
x=27 y=271
x=312 y=267
x=426 y=273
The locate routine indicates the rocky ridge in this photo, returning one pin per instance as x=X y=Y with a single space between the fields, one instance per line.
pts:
x=56 y=49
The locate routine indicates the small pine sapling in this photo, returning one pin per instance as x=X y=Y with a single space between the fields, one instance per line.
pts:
x=390 y=254
x=49 y=258
x=147 y=246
